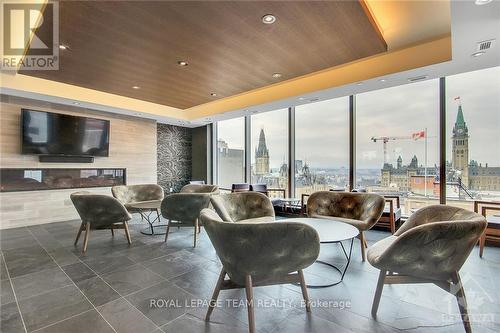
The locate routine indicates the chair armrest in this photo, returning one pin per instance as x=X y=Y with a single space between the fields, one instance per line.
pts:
x=478 y=203
x=303 y=203
x=372 y=210
x=184 y=207
x=391 y=198
x=280 y=190
x=263 y=250
x=484 y=209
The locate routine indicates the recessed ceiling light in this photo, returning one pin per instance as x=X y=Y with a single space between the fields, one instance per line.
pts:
x=482 y=2
x=182 y=63
x=359 y=83
x=76 y=103
x=418 y=78
x=136 y=87
x=382 y=80
x=301 y=98
x=277 y=75
x=213 y=94
x=268 y=19
x=478 y=54
x=63 y=47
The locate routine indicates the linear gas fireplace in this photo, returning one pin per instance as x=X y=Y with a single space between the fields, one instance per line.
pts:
x=13 y=180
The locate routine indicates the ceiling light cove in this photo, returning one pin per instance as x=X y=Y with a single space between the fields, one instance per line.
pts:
x=268 y=19
x=182 y=63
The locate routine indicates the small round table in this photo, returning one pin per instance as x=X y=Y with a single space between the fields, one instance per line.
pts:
x=146 y=209
x=331 y=231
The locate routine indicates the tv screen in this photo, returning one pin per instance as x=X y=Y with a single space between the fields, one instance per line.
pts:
x=47 y=133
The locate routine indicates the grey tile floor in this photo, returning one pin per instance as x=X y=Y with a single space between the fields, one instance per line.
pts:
x=47 y=285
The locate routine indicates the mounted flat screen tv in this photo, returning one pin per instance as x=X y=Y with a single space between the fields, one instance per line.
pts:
x=47 y=133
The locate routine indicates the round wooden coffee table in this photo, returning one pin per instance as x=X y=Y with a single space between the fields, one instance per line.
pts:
x=331 y=231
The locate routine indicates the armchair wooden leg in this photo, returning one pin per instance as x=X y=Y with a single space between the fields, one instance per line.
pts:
x=482 y=241
x=363 y=245
x=303 y=286
x=462 y=302
x=168 y=230
x=215 y=295
x=112 y=231
x=378 y=293
x=249 y=292
x=127 y=233
x=82 y=227
x=86 y=239
x=195 y=231
x=393 y=224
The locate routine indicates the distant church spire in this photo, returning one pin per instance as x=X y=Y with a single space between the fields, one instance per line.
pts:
x=460 y=145
x=262 y=150
x=460 y=122
x=262 y=155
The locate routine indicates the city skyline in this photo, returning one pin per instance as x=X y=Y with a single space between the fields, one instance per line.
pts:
x=419 y=102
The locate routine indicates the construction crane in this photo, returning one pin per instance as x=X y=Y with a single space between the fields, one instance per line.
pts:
x=386 y=139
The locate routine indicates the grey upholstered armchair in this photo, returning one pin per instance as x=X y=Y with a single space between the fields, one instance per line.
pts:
x=183 y=210
x=243 y=207
x=259 y=254
x=99 y=211
x=131 y=194
x=361 y=210
x=430 y=247
x=200 y=188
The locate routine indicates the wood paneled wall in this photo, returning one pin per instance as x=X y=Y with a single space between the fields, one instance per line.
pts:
x=132 y=146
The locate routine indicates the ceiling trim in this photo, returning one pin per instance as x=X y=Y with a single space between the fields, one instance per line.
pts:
x=28 y=84
x=417 y=56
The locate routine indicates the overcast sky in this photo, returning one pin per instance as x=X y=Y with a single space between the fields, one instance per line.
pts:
x=322 y=127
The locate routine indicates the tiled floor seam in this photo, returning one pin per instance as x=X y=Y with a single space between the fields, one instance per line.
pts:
x=15 y=296
x=122 y=296
x=73 y=284
x=14 y=293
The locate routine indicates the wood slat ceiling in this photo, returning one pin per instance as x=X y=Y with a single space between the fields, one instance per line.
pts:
x=117 y=45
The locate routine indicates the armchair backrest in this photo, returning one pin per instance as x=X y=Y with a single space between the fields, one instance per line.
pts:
x=261 y=188
x=367 y=207
x=262 y=250
x=431 y=248
x=200 y=188
x=234 y=207
x=99 y=210
x=240 y=187
x=184 y=207
x=436 y=213
x=137 y=193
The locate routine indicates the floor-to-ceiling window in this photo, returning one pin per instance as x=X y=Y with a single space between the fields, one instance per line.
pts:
x=397 y=149
x=322 y=146
x=473 y=137
x=269 y=149
x=230 y=152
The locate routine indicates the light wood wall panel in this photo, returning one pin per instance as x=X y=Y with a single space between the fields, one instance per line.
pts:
x=132 y=146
